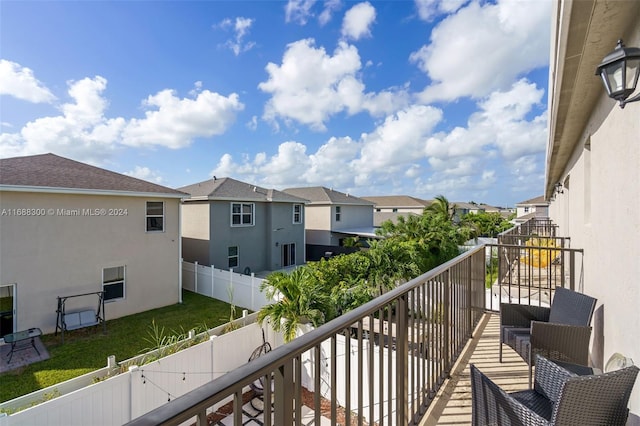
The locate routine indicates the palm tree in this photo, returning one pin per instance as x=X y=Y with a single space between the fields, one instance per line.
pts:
x=299 y=299
x=441 y=206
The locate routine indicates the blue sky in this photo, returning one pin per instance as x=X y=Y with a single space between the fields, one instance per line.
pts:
x=419 y=97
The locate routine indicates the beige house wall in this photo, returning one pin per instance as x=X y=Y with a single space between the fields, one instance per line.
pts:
x=599 y=210
x=195 y=220
x=196 y=233
x=317 y=223
x=60 y=254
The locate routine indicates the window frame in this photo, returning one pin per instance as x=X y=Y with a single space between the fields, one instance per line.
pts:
x=122 y=282
x=152 y=216
x=230 y=256
x=241 y=214
x=338 y=216
x=299 y=213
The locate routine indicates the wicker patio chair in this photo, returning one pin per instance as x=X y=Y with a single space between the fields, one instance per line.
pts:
x=559 y=397
x=561 y=332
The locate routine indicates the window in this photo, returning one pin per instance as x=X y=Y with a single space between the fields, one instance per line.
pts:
x=233 y=257
x=242 y=214
x=288 y=255
x=297 y=213
x=113 y=283
x=338 y=213
x=378 y=210
x=155 y=216
x=394 y=210
x=526 y=209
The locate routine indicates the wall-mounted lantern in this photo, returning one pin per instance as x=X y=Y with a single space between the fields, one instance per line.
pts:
x=619 y=71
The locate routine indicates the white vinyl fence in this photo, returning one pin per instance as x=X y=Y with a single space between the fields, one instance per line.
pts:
x=342 y=351
x=121 y=398
x=228 y=286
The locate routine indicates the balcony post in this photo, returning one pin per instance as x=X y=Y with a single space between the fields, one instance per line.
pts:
x=402 y=351
x=283 y=394
x=447 y=314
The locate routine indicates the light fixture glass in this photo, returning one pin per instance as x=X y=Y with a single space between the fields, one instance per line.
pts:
x=619 y=71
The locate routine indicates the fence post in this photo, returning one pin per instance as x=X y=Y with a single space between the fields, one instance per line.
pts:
x=253 y=290
x=195 y=279
x=402 y=366
x=111 y=364
x=213 y=271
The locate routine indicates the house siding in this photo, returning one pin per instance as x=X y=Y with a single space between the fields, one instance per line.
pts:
x=61 y=255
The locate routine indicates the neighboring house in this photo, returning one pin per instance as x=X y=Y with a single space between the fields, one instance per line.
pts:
x=535 y=207
x=594 y=153
x=332 y=216
x=68 y=228
x=390 y=207
x=460 y=209
x=235 y=225
x=505 y=212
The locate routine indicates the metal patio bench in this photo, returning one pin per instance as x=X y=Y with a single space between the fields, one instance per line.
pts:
x=561 y=332
x=559 y=397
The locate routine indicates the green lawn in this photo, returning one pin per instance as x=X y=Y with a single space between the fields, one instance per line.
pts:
x=86 y=350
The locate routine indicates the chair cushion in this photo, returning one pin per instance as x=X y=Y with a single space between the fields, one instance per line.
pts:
x=511 y=334
x=535 y=402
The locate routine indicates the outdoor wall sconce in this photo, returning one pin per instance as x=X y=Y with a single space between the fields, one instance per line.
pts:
x=619 y=71
x=558 y=188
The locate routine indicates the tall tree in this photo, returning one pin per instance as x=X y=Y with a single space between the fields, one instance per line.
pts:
x=441 y=206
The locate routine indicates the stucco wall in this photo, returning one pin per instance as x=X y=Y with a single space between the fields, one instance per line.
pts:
x=59 y=255
x=195 y=232
x=282 y=231
x=318 y=224
x=600 y=211
x=353 y=217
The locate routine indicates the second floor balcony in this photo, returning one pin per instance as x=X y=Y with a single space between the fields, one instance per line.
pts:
x=397 y=359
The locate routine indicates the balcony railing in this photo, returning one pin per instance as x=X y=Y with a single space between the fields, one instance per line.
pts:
x=526 y=268
x=381 y=363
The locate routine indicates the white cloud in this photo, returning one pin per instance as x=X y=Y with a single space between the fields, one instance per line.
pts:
x=503 y=134
x=241 y=27
x=358 y=20
x=508 y=39
x=330 y=6
x=82 y=130
x=145 y=173
x=298 y=11
x=174 y=122
x=397 y=141
x=430 y=9
x=310 y=86
x=19 y=82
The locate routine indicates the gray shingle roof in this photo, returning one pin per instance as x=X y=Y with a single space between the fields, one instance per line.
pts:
x=231 y=189
x=398 y=201
x=539 y=200
x=52 y=171
x=322 y=195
